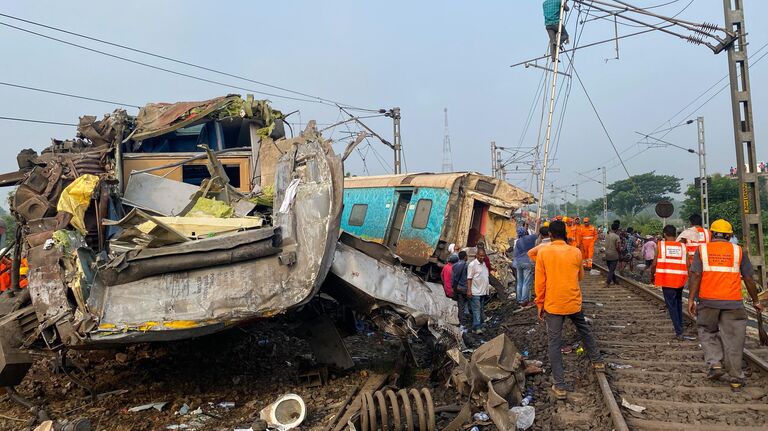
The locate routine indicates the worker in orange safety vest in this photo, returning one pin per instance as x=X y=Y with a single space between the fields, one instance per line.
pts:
x=669 y=271
x=695 y=235
x=587 y=238
x=716 y=273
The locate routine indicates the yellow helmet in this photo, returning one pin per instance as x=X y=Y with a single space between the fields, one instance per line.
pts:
x=721 y=226
x=23 y=270
x=546 y=224
x=566 y=219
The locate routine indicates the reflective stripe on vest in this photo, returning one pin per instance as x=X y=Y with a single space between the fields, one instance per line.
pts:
x=721 y=276
x=704 y=238
x=671 y=267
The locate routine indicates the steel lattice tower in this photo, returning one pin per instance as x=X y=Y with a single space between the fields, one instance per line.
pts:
x=447 y=156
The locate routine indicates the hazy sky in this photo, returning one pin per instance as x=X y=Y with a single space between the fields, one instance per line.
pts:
x=421 y=56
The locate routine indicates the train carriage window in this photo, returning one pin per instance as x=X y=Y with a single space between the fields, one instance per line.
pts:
x=486 y=187
x=357 y=215
x=421 y=217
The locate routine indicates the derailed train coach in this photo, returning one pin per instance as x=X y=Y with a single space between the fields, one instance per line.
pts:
x=179 y=222
x=418 y=215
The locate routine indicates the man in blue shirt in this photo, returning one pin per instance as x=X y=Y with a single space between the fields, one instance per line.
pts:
x=524 y=267
x=552 y=23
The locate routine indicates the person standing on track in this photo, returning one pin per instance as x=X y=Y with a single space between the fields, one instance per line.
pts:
x=669 y=271
x=558 y=295
x=716 y=273
x=478 y=285
x=612 y=253
x=587 y=237
x=459 y=287
x=695 y=235
x=524 y=267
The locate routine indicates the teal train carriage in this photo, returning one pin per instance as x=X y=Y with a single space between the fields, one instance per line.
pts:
x=418 y=215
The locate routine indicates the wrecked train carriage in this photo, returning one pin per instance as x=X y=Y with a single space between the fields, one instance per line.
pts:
x=418 y=215
x=396 y=234
x=184 y=220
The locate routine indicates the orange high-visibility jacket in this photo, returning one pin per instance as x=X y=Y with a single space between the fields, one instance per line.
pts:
x=671 y=265
x=587 y=233
x=721 y=275
x=572 y=232
x=704 y=238
x=5 y=274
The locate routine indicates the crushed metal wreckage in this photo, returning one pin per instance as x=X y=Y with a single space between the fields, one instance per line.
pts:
x=181 y=221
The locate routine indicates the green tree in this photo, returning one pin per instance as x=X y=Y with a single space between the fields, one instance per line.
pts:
x=628 y=197
x=723 y=193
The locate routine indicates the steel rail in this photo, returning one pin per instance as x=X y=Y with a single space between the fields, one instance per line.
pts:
x=754 y=358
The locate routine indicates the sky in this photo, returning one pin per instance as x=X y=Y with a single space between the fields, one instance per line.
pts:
x=420 y=56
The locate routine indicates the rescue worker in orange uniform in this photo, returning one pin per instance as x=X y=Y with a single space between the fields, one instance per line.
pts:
x=669 y=271
x=5 y=273
x=558 y=296
x=695 y=235
x=716 y=273
x=571 y=230
x=587 y=238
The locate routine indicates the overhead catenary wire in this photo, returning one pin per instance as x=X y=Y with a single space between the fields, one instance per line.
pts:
x=185 y=63
x=60 y=93
x=605 y=129
x=611 y=162
x=29 y=120
x=164 y=69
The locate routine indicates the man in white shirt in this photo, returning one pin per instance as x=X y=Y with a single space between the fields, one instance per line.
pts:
x=477 y=289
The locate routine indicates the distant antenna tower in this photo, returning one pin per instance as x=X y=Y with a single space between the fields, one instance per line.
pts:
x=447 y=157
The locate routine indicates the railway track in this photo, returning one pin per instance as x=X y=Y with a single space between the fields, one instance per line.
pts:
x=647 y=367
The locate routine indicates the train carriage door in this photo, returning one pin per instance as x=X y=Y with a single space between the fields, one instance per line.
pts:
x=396 y=223
x=479 y=223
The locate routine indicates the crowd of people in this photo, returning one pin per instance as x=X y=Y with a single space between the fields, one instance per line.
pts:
x=551 y=263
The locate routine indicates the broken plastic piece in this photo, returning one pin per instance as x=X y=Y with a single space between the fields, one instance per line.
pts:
x=157 y=406
x=286 y=413
x=290 y=195
x=76 y=198
x=633 y=407
x=525 y=416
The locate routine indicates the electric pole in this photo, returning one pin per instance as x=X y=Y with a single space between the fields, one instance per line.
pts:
x=447 y=156
x=494 y=161
x=552 y=99
x=744 y=134
x=703 y=179
x=397 y=142
x=577 y=200
x=605 y=200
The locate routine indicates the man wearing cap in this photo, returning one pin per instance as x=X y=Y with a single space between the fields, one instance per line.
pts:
x=716 y=274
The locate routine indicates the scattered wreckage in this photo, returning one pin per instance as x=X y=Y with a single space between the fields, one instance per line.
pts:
x=192 y=217
x=184 y=220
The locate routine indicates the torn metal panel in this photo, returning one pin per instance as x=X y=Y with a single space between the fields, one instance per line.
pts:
x=372 y=284
x=158 y=194
x=197 y=301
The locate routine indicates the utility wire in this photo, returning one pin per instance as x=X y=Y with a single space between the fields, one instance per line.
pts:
x=59 y=93
x=605 y=129
x=29 y=120
x=174 y=72
x=182 y=62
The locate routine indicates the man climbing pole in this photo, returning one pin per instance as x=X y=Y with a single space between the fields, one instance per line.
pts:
x=552 y=23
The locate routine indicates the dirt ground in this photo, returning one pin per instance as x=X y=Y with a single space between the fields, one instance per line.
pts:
x=253 y=366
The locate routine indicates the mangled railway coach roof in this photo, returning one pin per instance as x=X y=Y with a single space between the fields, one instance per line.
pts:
x=178 y=222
